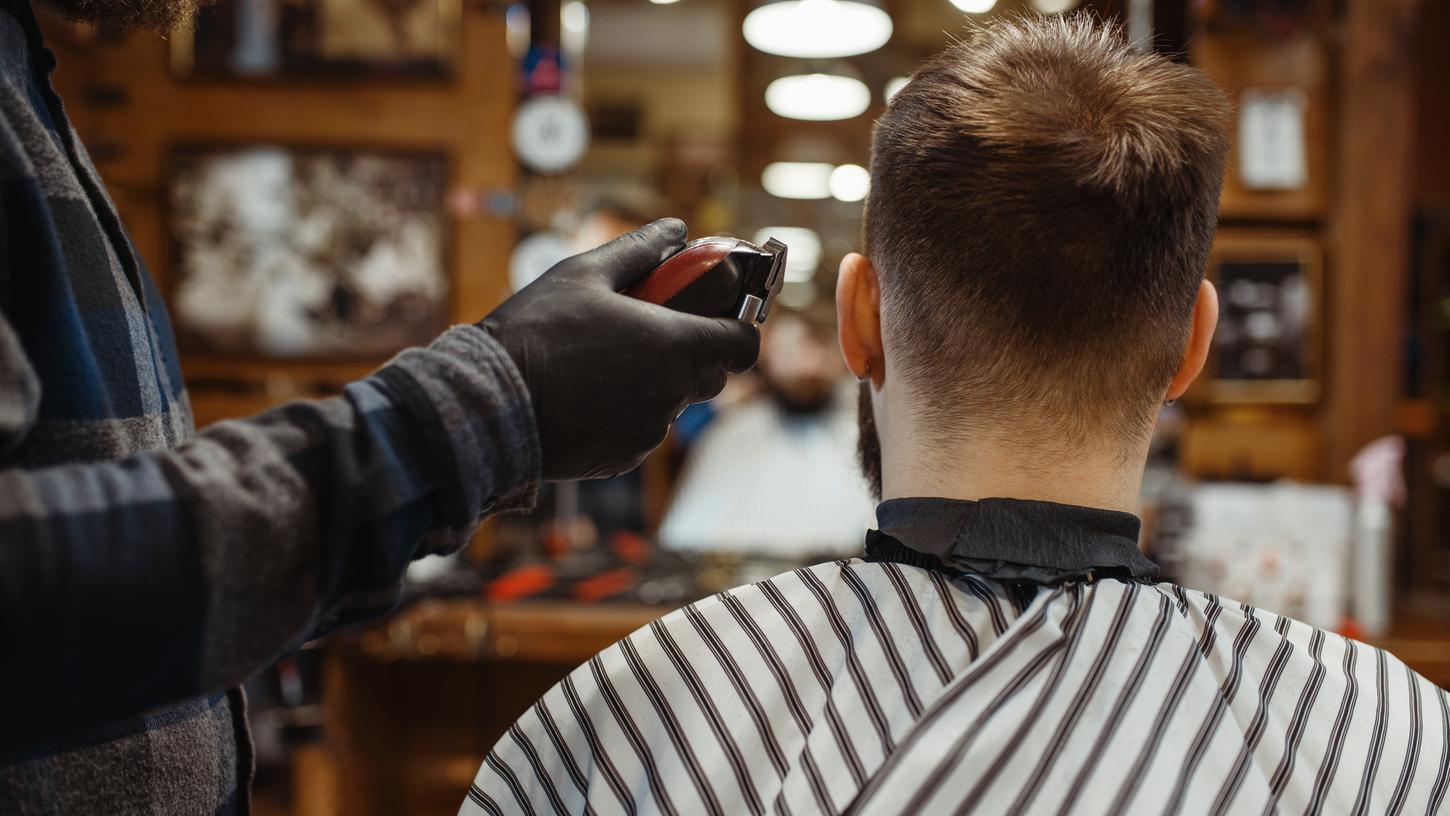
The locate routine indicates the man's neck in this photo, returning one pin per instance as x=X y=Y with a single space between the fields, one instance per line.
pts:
x=986 y=466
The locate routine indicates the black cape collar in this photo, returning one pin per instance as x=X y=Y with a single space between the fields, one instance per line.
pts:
x=1010 y=540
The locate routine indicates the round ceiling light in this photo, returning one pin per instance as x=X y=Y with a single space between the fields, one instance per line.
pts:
x=805 y=250
x=818 y=97
x=797 y=179
x=893 y=85
x=849 y=182
x=817 y=29
x=975 y=6
x=574 y=17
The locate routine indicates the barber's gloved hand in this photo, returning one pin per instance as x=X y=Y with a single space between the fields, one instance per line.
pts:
x=607 y=373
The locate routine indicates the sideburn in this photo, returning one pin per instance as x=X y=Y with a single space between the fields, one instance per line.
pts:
x=868 y=443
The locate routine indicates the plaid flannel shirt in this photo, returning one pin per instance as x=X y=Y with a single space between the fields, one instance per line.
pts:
x=145 y=570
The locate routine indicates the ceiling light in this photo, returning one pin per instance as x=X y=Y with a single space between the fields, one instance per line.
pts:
x=574 y=28
x=574 y=17
x=817 y=29
x=664 y=2
x=893 y=85
x=849 y=182
x=804 y=250
x=818 y=97
x=517 y=25
x=975 y=6
x=1054 y=6
x=797 y=179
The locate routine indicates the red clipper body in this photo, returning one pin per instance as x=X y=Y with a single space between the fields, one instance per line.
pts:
x=718 y=277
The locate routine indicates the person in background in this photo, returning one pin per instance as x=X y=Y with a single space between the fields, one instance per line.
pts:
x=776 y=475
x=1043 y=200
x=147 y=570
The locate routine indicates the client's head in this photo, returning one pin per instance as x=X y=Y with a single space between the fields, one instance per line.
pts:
x=1043 y=200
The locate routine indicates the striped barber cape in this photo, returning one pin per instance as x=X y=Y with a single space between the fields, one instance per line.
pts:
x=1064 y=682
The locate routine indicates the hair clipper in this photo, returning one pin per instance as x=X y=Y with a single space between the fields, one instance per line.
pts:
x=718 y=277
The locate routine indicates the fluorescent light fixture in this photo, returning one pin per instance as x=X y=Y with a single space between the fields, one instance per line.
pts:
x=573 y=28
x=797 y=179
x=849 y=182
x=817 y=29
x=574 y=17
x=893 y=85
x=1054 y=6
x=803 y=253
x=517 y=25
x=818 y=97
x=664 y=2
x=975 y=6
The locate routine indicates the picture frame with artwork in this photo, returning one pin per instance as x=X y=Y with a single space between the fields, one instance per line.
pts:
x=307 y=253
x=1268 y=347
x=286 y=40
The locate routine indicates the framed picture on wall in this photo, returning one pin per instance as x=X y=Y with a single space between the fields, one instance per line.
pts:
x=307 y=253
x=326 y=39
x=1268 y=345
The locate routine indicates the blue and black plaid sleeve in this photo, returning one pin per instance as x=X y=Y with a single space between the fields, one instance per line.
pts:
x=142 y=564
x=169 y=573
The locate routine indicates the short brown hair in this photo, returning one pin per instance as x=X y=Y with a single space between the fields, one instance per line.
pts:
x=1043 y=199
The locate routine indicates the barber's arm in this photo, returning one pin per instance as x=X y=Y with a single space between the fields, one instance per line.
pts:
x=129 y=584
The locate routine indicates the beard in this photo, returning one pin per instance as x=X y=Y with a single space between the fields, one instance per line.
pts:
x=798 y=406
x=125 y=15
x=868 y=443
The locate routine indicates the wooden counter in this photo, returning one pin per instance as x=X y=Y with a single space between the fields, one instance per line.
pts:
x=469 y=630
x=567 y=634
x=413 y=704
x=1424 y=645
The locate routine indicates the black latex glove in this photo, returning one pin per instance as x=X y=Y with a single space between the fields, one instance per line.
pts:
x=608 y=373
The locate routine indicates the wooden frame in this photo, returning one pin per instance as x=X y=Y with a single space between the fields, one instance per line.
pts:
x=175 y=278
x=1239 y=61
x=183 y=58
x=1424 y=567
x=1259 y=260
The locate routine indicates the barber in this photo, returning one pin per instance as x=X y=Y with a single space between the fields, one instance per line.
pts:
x=146 y=570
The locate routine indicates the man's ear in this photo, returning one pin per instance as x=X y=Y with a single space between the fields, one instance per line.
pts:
x=858 y=318
x=1200 y=340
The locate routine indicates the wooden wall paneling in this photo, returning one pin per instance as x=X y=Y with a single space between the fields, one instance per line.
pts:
x=1370 y=228
x=1424 y=567
x=1432 y=96
x=466 y=117
x=1238 y=61
x=1252 y=444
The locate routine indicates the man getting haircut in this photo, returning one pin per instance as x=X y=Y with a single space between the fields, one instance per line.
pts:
x=1043 y=200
